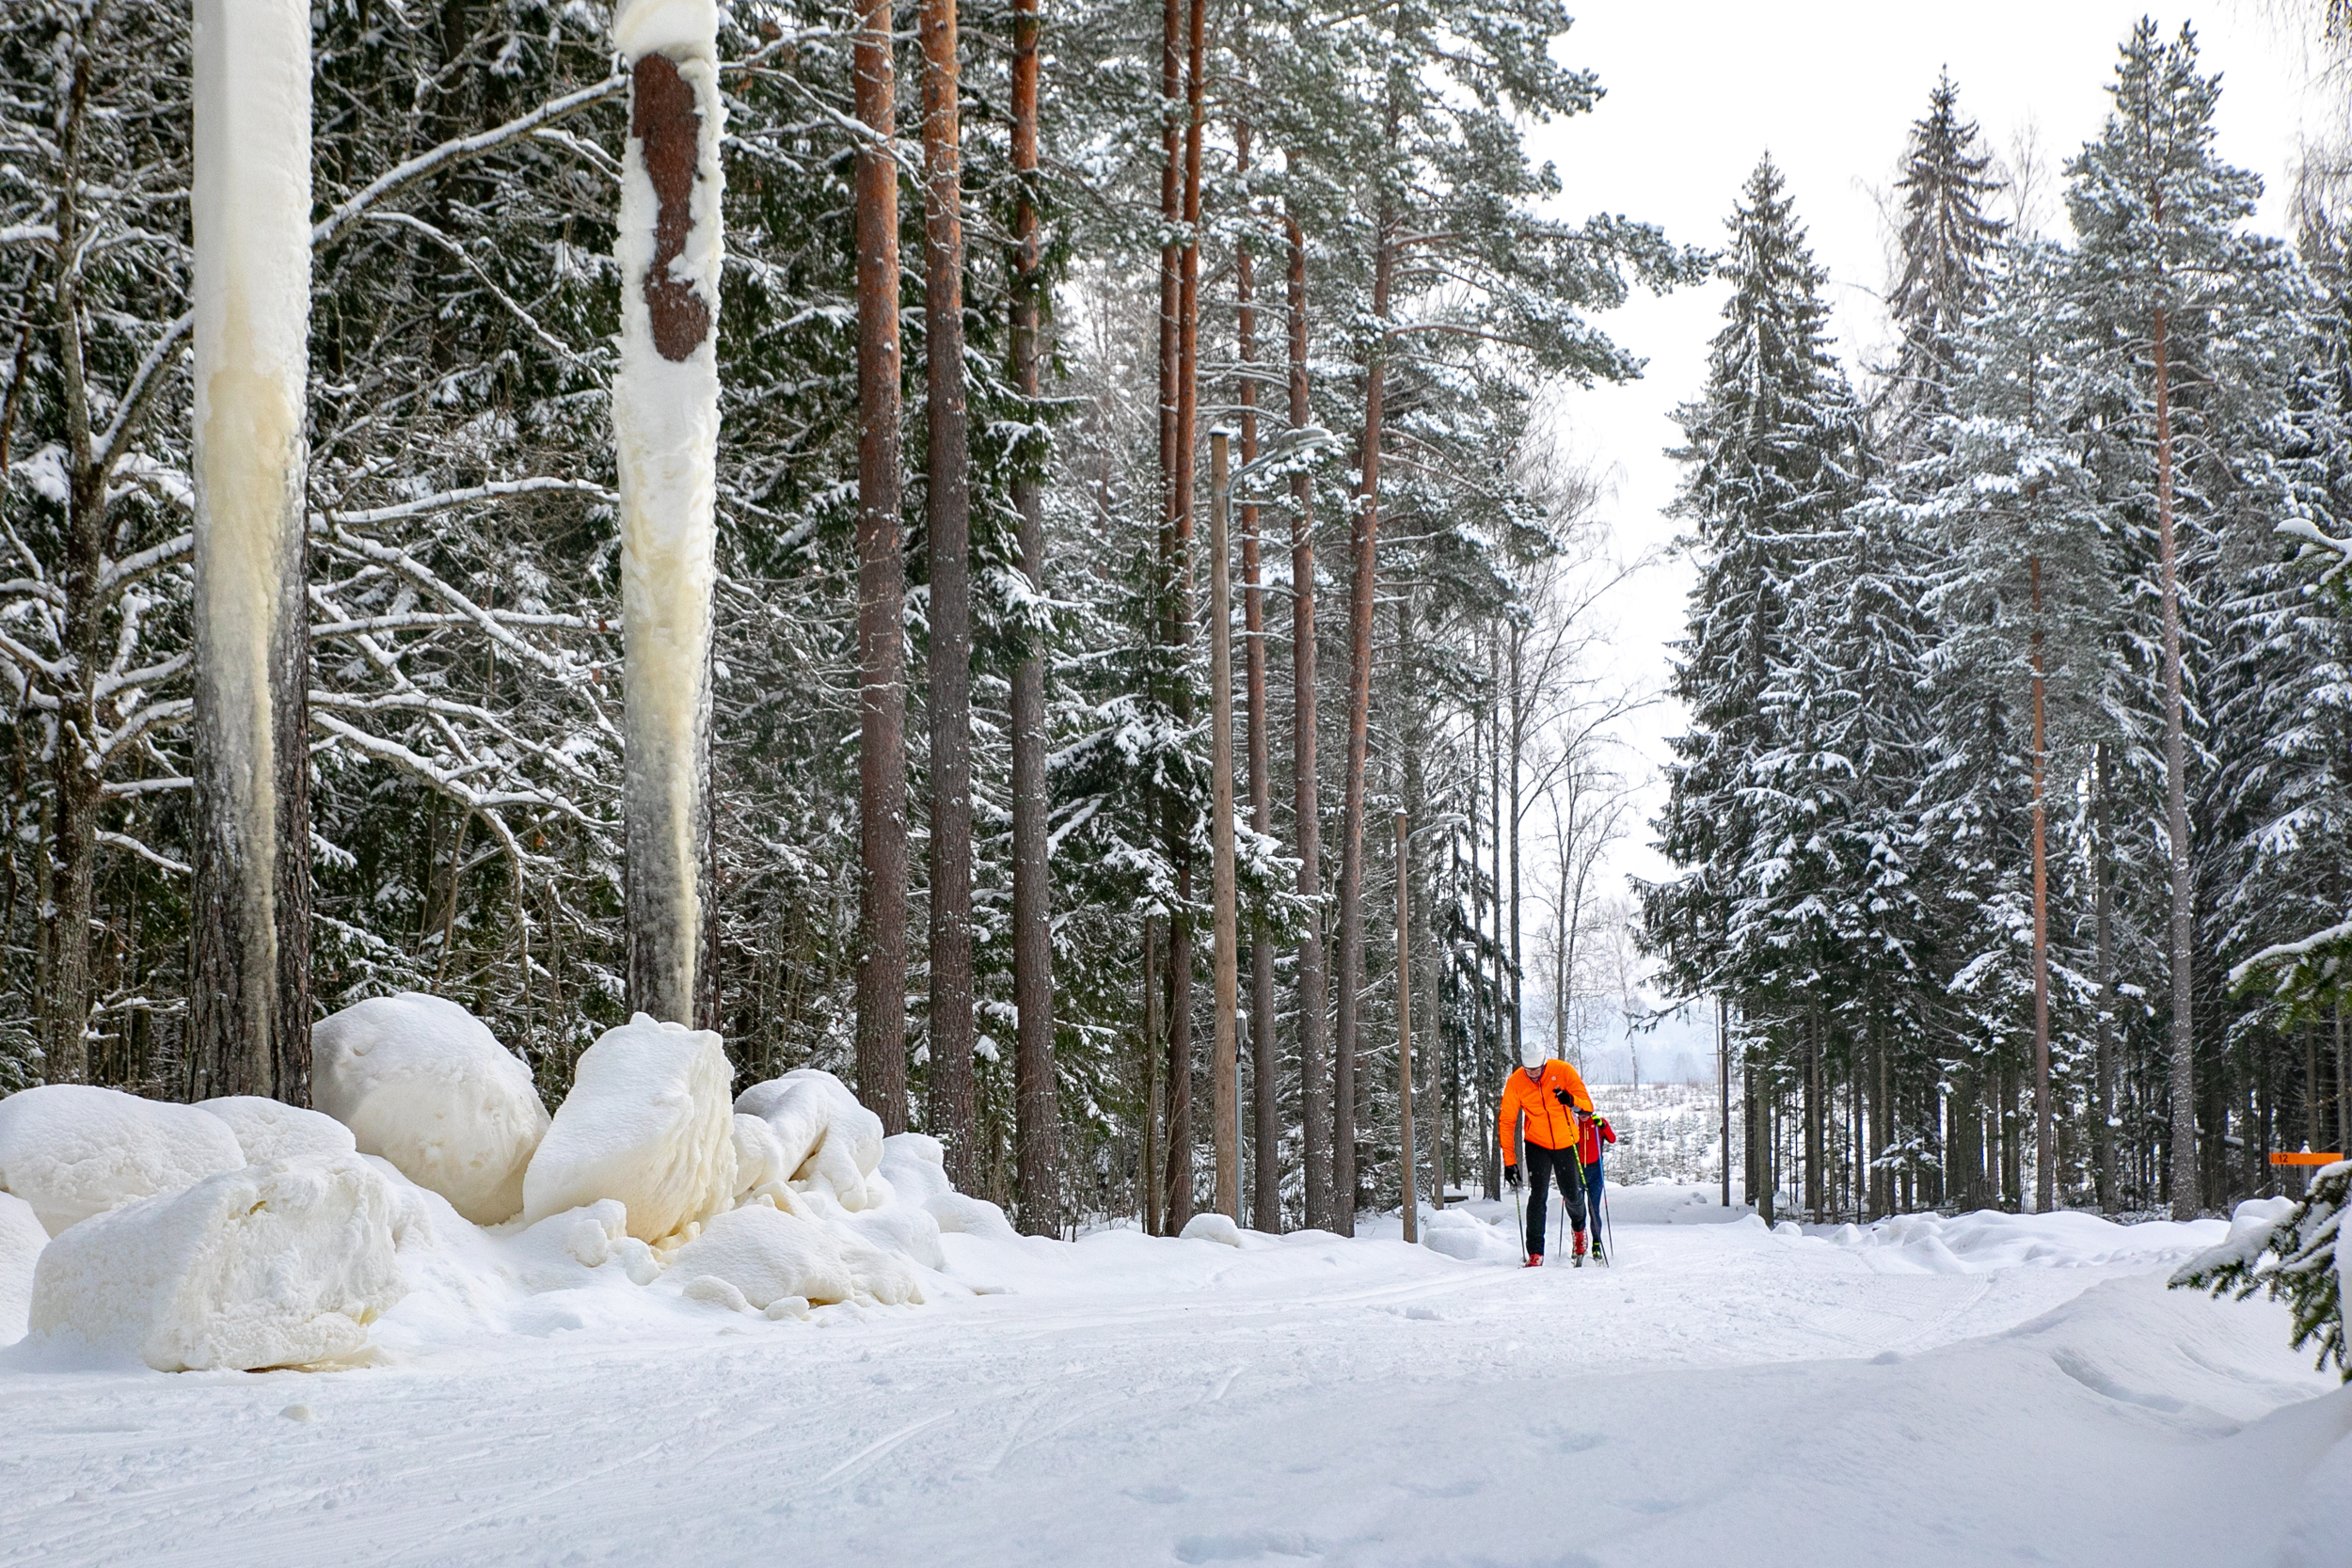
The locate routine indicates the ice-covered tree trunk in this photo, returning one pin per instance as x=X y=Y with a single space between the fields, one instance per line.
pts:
x=248 y=983
x=665 y=427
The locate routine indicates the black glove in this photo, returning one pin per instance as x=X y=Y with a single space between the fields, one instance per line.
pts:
x=1511 y=1176
x=1565 y=1098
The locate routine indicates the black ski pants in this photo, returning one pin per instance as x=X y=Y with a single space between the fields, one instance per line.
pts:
x=1545 y=1168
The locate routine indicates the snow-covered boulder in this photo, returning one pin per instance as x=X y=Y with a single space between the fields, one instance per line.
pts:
x=829 y=1141
x=647 y=1122
x=21 y=1237
x=422 y=1083
x=270 y=1129
x=73 y=1150
x=276 y=1266
x=765 y=1256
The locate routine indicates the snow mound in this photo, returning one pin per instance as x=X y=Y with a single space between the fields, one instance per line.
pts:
x=1210 y=1227
x=424 y=1083
x=647 y=1122
x=21 y=1237
x=916 y=1169
x=1989 y=1240
x=276 y=1266
x=1458 y=1233
x=270 y=1129
x=826 y=1138
x=766 y=1255
x=73 y=1150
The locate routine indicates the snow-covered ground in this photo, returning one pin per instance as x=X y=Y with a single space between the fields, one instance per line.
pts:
x=1992 y=1389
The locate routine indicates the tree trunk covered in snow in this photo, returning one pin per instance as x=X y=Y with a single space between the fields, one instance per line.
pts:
x=947 y=528
x=1037 y=1107
x=249 y=980
x=882 y=938
x=665 y=421
x=1306 y=801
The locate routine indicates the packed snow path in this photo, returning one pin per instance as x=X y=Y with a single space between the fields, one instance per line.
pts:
x=1987 y=1391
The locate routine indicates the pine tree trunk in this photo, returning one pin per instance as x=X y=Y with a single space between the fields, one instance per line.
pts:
x=1266 y=1198
x=2103 y=893
x=2185 y=1171
x=1506 y=1018
x=1518 y=754
x=2045 y=1137
x=1306 y=801
x=1408 y=1184
x=947 y=526
x=249 y=964
x=1178 y=823
x=1038 y=1108
x=881 y=955
x=1816 y=1198
x=1362 y=543
x=1224 y=1061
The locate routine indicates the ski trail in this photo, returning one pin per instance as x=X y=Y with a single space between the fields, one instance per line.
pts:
x=874 y=1451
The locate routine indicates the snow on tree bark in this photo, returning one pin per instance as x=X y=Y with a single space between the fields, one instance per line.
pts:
x=1306 y=799
x=665 y=424
x=248 y=1005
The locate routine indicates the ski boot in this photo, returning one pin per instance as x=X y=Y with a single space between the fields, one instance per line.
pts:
x=1535 y=1259
x=1577 y=1252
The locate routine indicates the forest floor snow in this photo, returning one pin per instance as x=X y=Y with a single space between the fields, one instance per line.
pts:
x=1993 y=1389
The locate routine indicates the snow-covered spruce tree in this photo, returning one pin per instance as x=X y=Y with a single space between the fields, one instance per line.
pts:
x=2176 y=310
x=2300 y=1261
x=1945 y=247
x=1772 y=458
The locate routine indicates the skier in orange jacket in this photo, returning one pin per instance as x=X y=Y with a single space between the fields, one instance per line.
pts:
x=1552 y=1098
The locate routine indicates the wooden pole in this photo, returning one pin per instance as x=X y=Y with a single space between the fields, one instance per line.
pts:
x=1411 y=1185
x=1224 y=1089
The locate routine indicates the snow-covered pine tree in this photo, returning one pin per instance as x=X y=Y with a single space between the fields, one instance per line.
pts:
x=2174 y=308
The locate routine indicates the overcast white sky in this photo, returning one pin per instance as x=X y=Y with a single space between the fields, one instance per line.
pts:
x=1697 y=90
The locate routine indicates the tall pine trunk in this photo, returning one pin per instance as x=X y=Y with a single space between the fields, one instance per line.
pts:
x=249 y=962
x=1362 y=550
x=948 y=527
x=1266 y=1198
x=881 y=955
x=1038 y=1108
x=1224 y=1062
x=2186 y=1196
x=2102 y=894
x=1305 y=799
x=2044 y=1138
x=1178 y=822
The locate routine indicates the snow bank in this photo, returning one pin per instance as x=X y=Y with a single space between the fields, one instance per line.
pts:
x=422 y=1081
x=73 y=1150
x=1990 y=1239
x=276 y=1266
x=767 y=1256
x=916 y=1169
x=270 y=1129
x=21 y=1237
x=824 y=1138
x=647 y=1122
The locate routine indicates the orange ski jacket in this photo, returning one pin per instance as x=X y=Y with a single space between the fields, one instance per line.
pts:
x=1548 y=1122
